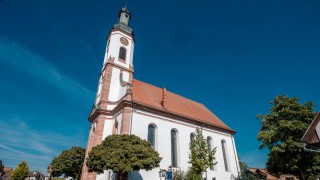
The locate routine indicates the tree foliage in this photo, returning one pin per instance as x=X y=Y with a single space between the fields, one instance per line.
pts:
x=245 y=173
x=21 y=171
x=281 y=132
x=122 y=154
x=1 y=170
x=69 y=163
x=200 y=157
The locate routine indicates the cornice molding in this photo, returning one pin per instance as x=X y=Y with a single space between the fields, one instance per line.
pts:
x=138 y=105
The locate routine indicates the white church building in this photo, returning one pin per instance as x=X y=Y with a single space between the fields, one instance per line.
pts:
x=125 y=105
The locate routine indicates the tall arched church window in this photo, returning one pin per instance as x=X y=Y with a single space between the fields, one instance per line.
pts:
x=225 y=155
x=192 y=136
x=209 y=144
x=152 y=135
x=122 y=54
x=174 y=140
x=210 y=148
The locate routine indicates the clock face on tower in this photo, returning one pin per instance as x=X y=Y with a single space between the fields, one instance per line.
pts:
x=124 y=41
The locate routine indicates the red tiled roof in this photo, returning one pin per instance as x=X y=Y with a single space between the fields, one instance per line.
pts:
x=7 y=169
x=264 y=171
x=152 y=96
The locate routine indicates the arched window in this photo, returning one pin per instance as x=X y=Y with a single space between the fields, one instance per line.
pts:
x=122 y=54
x=210 y=148
x=174 y=140
x=209 y=141
x=192 y=136
x=225 y=155
x=152 y=135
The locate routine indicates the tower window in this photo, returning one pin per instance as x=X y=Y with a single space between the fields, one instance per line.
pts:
x=174 y=139
x=122 y=54
x=152 y=135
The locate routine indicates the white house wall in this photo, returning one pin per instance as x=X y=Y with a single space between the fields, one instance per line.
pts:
x=140 y=123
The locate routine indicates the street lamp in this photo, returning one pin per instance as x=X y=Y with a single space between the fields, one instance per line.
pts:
x=161 y=173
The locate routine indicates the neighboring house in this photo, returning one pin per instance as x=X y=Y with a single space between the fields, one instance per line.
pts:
x=125 y=105
x=35 y=175
x=288 y=177
x=6 y=173
x=263 y=174
x=312 y=135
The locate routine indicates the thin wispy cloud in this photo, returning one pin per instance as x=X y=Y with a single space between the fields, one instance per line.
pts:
x=38 y=148
x=28 y=62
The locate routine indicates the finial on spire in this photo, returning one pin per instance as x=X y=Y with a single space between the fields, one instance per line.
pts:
x=124 y=19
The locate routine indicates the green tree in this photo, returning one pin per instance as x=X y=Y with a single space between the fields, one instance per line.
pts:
x=245 y=173
x=200 y=156
x=1 y=169
x=122 y=154
x=21 y=171
x=281 y=132
x=69 y=163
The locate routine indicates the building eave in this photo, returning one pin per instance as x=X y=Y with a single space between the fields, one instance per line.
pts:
x=141 y=106
x=310 y=137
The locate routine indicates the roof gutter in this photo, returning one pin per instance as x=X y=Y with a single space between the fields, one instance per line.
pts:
x=304 y=145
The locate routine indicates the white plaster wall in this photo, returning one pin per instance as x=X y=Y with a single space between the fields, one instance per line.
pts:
x=117 y=91
x=98 y=95
x=114 y=45
x=108 y=127
x=140 y=122
x=109 y=124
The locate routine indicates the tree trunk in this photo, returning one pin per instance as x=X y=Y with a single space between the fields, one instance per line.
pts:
x=122 y=176
x=302 y=175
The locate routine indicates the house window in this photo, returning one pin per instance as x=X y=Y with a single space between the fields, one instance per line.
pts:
x=225 y=155
x=151 y=135
x=174 y=151
x=122 y=54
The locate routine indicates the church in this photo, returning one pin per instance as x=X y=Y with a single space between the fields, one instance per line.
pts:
x=124 y=105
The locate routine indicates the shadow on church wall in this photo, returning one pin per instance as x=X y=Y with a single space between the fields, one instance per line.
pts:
x=135 y=175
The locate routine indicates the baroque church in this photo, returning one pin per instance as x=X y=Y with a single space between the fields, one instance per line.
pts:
x=125 y=105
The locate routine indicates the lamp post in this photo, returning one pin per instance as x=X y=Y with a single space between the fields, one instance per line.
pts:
x=161 y=174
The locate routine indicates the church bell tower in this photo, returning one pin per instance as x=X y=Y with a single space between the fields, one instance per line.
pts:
x=109 y=114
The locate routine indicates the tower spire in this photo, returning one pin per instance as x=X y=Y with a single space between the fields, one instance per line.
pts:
x=124 y=19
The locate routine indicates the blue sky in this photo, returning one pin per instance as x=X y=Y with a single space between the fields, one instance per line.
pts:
x=233 y=56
